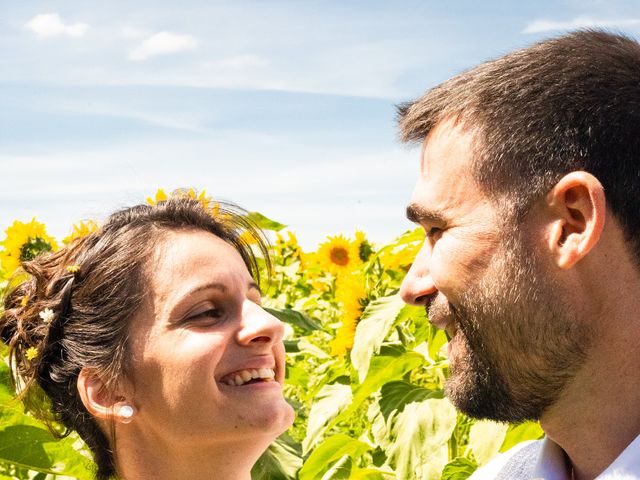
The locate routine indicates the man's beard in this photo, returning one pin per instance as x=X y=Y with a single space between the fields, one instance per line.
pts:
x=518 y=344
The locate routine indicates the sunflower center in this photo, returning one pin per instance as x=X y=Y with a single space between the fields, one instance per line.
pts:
x=365 y=251
x=339 y=256
x=33 y=247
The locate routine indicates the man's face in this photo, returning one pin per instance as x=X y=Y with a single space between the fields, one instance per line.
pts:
x=515 y=342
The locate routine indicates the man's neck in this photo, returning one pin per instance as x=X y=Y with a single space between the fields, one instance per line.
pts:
x=597 y=417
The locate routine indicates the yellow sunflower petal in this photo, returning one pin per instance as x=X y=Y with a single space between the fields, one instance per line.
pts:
x=23 y=242
x=81 y=229
x=338 y=255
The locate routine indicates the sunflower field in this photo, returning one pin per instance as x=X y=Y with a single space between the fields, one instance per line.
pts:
x=365 y=372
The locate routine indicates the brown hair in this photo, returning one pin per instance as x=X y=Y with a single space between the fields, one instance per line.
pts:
x=564 y=104
x=94 y=306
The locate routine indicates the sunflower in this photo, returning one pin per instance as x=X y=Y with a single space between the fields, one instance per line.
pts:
x=288 y=248
x=351 y=295
x=160 y=196
x=82 y=229
x=213 y=208
x=365 y=249
x=338 y=255
x=343 y=340
x=23 y=242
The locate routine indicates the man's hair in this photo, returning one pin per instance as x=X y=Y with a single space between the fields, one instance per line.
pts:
x=564 y=104
x=95 y=302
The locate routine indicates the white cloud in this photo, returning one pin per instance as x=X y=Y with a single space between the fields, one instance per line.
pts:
x=163 y=43
x=51 y=25
x=538 y=26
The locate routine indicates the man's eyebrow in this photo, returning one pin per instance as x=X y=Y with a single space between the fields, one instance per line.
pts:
x=419 y=214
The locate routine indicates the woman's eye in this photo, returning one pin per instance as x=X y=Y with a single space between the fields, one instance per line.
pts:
x=433 y=232
x=214 y=313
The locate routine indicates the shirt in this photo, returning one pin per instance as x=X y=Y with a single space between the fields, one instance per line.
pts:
x=545 y=460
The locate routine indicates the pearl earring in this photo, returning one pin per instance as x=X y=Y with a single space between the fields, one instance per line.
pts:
x=125 y=412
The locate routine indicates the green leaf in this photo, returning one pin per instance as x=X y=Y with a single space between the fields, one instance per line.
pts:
x=281 y=461
x=291 y=346
x=384 y=368
x=377 y=319
x=458 y=469
x=395 y=395
x=36 y=449
x=415 y=235
x=265 y=223
x=308 y=347
x=520 y=433
x=422 y=327
x=341 y=470
x=485 y=439
x=25 y=442
x=293 y=317
x=297 y=376
x=435 y=341
x=329 y=451
x=328 y=403
x=416 y=440
x=371 y=473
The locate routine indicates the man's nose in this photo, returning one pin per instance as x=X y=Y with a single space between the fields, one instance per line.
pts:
x=418 y=283
x=259 y=326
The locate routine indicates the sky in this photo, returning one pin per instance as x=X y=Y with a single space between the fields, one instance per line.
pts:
x=284 y=107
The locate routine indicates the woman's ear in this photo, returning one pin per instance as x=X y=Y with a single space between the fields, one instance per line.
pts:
x=100 y=402
x=578 y=208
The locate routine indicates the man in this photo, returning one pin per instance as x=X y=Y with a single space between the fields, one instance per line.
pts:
x=529 y=194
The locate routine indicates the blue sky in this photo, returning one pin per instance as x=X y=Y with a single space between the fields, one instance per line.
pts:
x=285 y=107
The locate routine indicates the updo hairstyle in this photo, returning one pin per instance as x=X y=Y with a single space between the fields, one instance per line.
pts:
x=89 y=292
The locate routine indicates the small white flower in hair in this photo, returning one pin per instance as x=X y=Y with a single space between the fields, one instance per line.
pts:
x=47 y=315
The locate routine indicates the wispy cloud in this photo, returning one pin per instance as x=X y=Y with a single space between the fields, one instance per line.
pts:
x=539 y=26
x=51 y=25
x=128 y=31
x=163 y=43
x=244 y=61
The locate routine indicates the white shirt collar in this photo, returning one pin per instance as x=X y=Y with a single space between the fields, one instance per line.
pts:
x=551 y=464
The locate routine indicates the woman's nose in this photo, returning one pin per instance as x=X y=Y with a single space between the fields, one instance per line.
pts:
x=418 y=283
x=259 y=326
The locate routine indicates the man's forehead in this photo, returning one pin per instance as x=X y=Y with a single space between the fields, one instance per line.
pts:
x=449 y=145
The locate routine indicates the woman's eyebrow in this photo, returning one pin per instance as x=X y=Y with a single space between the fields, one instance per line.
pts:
x=207 y=286
x=254 y=286
x=221 y=287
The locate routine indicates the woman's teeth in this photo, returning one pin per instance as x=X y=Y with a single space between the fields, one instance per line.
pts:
x=241 y=377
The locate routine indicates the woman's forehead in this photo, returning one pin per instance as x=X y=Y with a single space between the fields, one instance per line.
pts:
x=187 y=255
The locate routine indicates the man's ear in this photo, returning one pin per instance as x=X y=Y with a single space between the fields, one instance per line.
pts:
x=578 y=208
x=98 y=400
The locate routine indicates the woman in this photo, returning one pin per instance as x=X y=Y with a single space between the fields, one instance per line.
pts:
x=148 y=338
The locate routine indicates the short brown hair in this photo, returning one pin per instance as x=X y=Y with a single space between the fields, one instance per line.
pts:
x=93 y=307
x=564 y=104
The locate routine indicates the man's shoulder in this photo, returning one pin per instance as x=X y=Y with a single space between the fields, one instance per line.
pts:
x=516 y=463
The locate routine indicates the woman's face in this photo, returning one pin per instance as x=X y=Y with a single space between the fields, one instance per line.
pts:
x=198 y=345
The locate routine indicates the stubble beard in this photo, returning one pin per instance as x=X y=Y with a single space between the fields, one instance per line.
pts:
x=518 y=343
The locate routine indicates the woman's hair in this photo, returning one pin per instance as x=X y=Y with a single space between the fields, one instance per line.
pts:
x=74 y=308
